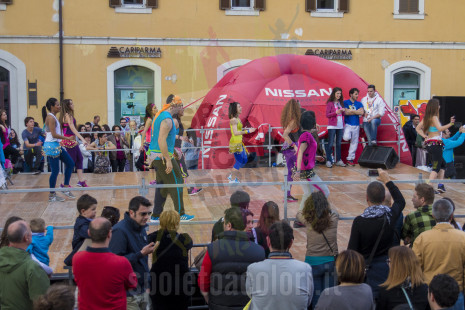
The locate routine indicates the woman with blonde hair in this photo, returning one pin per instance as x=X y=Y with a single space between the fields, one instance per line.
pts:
x=351 y=293
x=405 y=283
x=430 y=129
x=321 y=223
x=290 y=121
x=170 y=261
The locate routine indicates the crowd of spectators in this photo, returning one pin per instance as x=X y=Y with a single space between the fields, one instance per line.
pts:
x=246 y=265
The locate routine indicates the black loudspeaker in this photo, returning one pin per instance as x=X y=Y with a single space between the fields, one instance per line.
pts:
x=378 y=157
x=452 y=106
x=460 y=167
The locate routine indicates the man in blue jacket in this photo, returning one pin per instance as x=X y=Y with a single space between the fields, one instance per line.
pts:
x=130 y=240
x=448 y=153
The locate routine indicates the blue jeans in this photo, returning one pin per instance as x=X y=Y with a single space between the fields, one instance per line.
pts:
x=459 y=303
x=371 y=129
x=241 y=159
x=329 y=147
x=324 y=276
x=377 y=274
x=55 y=166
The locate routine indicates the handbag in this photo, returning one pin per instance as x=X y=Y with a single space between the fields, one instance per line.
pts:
x=198 y=260
x=372 y=254
x=327 y=242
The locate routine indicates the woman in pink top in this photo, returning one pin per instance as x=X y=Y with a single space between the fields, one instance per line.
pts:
x=335 y=114
x=306 y=158
x=9 y=151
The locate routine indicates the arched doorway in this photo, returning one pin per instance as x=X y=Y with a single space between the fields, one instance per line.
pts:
x=131 y=84
x=406 y=86
x=5 y=93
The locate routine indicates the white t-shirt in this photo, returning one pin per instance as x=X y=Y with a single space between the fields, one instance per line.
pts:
x=340 y=123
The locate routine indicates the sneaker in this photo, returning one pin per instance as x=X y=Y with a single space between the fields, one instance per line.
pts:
x=187 y=218
x=291 y=199
x=350 y=163
x=53 y=197
x=298 y=224
x=373 y=143
x=154 y=219
x=437 y=192
x=153 y=182
x=329 y=164
x=230 y=178
x=236 y=180
x=194 y=191
x=82 y=184
x=441 y=188
x=37 y=172
x=340 y=163
x=67 y=193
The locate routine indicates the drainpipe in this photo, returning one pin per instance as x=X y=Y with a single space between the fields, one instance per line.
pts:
x=60 y=36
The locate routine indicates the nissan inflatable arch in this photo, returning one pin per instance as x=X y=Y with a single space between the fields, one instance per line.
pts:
x=263 y=87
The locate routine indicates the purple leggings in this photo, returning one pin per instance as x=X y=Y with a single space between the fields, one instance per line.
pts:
x=76 y=156
x=291 y=159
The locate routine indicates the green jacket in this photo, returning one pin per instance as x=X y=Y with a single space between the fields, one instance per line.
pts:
x=22 y=279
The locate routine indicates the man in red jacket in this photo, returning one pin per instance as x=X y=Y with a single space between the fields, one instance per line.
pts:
x=101 y=276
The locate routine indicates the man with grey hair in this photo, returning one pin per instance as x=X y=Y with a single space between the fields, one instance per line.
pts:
x=441 y=250
x=23 y=280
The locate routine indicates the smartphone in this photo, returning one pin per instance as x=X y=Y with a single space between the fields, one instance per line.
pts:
x=373 y=173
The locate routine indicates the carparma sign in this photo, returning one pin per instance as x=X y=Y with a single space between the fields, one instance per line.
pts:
x=330 y=54
x=134 y=52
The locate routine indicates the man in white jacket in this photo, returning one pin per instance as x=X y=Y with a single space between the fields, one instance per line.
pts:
x=374 y=109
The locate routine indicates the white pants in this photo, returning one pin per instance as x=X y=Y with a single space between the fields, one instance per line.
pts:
x=351 y=133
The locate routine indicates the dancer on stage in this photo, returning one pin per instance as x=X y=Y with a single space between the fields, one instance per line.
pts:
x=430 y=129
x=160 y=153
x=146 y=136
x=306 y=158
x=236 y=146
x=54 y=151
x=68 y=122
x=290 y=121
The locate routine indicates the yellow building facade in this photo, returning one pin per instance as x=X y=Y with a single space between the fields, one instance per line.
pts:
x=121 y=54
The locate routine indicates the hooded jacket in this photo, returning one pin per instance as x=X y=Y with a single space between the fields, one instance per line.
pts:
x=127 y=240
x=40 y=245
x=22 y=279
x=373 y=106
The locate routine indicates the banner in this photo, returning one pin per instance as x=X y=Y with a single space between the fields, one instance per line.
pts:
x=409 y=107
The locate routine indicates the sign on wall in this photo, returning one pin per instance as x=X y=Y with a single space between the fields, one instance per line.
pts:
x=134 y=52
x=330 y=54
x=133 y=102
x=409 y=107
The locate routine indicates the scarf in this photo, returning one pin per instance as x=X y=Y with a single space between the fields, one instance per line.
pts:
x=377 y=211
x=176 y=100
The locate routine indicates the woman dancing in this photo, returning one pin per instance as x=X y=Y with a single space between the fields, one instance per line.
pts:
x=150 y=111
x=236 y=146
x=54 y=150
x=306 y=158
x=290 y=121
x=430 y=129
x=68 y=122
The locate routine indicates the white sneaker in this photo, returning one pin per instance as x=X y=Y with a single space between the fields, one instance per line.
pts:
x=55 y=198
x=329 y=164
x=236 y=180
x=340 y=163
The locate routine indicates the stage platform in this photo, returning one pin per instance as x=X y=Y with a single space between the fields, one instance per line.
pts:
x=349 y=200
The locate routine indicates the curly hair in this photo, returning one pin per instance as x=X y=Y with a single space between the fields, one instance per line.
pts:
x=291 y=113
x=317 y=211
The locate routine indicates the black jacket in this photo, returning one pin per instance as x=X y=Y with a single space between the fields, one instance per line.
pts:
x=410 y=133
x=230 y=255
x=81 y=226
x=127 y=240
x=389 y=299
x=365 y=231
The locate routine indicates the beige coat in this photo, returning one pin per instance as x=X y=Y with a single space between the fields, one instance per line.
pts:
x=441 y=250
x=316 y=244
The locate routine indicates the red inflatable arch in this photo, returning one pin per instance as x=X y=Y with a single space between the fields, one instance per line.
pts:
x=263 y=87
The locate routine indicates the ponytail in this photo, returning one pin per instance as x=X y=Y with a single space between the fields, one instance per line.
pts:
x=48 y=106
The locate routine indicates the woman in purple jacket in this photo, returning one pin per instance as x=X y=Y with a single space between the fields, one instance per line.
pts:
x=335 y=114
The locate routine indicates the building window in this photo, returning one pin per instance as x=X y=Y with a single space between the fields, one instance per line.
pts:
x=406 y=86
x=242 y=7
x=409 y=9
x=327 y=8
x=134 y=6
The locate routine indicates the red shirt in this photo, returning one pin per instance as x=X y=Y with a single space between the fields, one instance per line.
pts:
x=204 y=274
x=102 y=279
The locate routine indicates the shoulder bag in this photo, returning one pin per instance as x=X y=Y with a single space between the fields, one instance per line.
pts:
x=370 y=259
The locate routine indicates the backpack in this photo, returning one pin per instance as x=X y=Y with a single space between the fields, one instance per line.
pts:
x=102 y=164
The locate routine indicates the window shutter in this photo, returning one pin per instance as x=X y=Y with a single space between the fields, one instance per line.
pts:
x=344 y=6
x=260 y=5
x=115 y=3
x=408 y=6
x=225 y=4
x=152 y=4
x=6 y=1
x=310 y=5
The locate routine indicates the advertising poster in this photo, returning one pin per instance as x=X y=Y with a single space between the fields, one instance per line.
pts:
x=133 y=102
x=408 y=107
